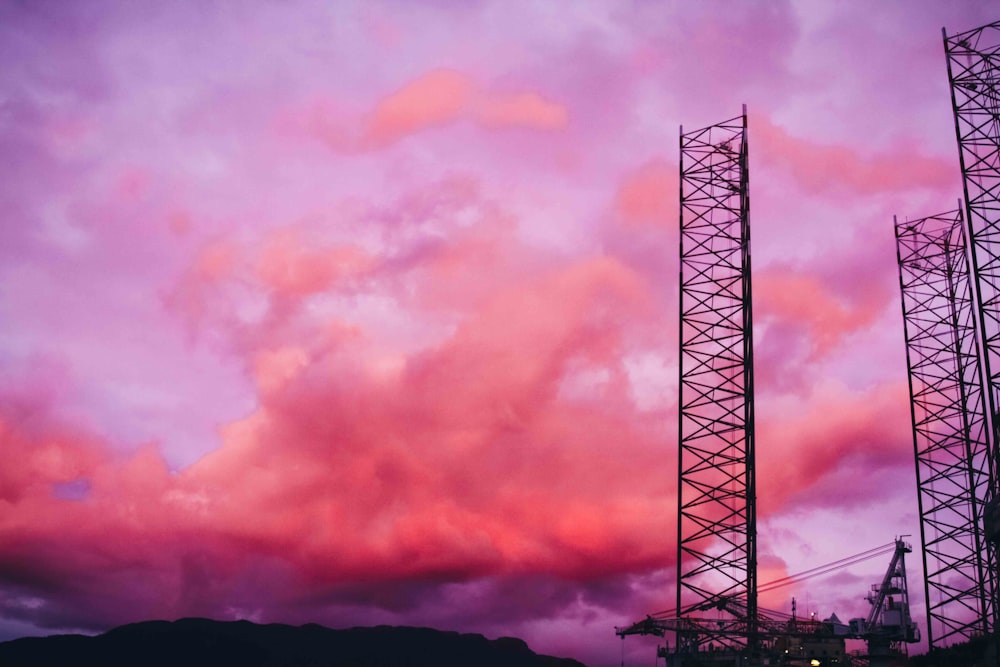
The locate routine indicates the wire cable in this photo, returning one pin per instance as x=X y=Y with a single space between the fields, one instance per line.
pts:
x=826 y=569
x=817 y=571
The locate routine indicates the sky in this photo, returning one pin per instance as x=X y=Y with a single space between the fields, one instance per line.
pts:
x=366 y=312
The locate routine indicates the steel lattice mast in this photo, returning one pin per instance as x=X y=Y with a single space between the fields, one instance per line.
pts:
x=950 y=434
x=973 y=59
x=717 y=532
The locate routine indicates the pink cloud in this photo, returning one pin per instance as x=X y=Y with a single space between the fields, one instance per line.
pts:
x=192 y=297
x=528 y=110
x=355 y=465
x=805 y=302
x=649 y=195
x=843 y=440
x=826 y=168
x=392 y=495
x=435 y=99
x=384 y=29
x=179 y=223
x=42 y=461
x=288 y=267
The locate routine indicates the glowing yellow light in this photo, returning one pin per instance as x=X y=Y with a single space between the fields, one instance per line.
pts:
x=814 y=662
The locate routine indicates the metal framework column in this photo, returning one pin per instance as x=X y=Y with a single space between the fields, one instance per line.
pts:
x=950 y=435
x=716 y=526
x=973 y=59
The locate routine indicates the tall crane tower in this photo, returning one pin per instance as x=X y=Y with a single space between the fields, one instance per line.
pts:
x=717 y=513
x=716 y=526
x=973 y=59
x=950 y=281
x=950 y=431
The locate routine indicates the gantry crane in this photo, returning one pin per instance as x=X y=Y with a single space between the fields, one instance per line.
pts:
x=886 y=629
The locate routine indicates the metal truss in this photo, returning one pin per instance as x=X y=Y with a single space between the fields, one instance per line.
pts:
x=716 y=527
x=973 y=59
x=950 y=433
x=770 y=626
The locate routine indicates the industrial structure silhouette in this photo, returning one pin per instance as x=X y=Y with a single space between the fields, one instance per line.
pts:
x=949 y=268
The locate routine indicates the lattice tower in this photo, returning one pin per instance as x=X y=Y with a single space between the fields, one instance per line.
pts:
x=717 y=531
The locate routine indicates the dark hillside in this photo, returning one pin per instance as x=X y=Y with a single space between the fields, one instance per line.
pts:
x=197 y=642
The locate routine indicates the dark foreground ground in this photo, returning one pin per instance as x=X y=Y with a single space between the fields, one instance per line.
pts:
x=198 y=642
x=979 y=652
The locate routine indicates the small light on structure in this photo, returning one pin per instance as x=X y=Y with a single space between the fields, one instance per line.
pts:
x=814 y=662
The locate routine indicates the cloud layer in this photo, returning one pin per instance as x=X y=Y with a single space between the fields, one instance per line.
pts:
x=366 y=312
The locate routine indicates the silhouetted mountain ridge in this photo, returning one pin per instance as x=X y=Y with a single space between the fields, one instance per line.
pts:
x=200 y=642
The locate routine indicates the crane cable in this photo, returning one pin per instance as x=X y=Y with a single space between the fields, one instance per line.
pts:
x=827 y=569
x=817 y=571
